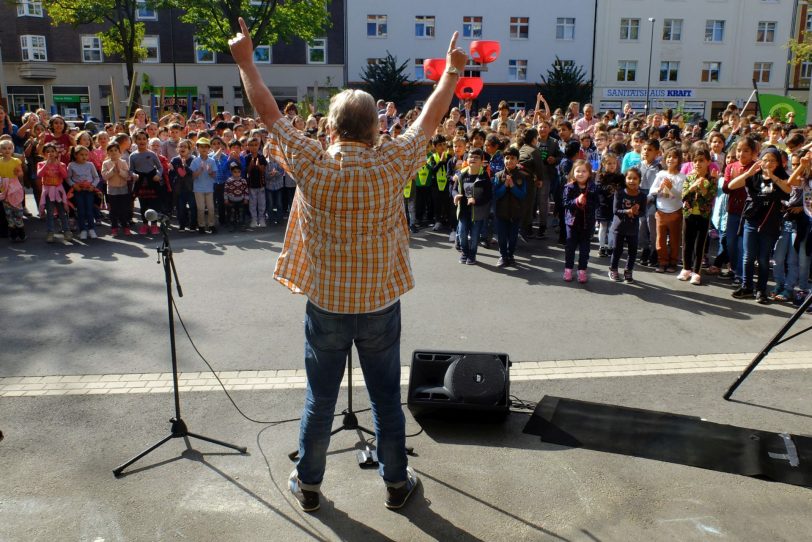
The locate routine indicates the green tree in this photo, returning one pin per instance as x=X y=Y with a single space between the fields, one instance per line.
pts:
x=565 y=83
x=123 y=34
x=387 y=81
x=269 y=21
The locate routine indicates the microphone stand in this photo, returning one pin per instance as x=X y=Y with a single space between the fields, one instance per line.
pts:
x=178 y=428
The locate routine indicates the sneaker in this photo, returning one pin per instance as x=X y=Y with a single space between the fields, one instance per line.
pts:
x=800 y=297
x=213 y=229
x=541 y=235
x=396 y=497
x=784 y=296
x=68 y=235
x=660 y=269
x=696 y=280
x=201 y=229
x=743 y=293
x=671 y=269
x=602 y=252
x=737 y=281
x=143 y=229
x=83 y=235
x=582 y=276
x=113 y=231
x=49 y=237
x=154 y=229
x=501 y=262
x=684 y=275
x=437 y=227
x=761 y=298
x=511 y=261
x=567 y=275
x=128 y=232
x=92 y=234
x=463 y=260
x=414 y=229
x=308 y=500
x=627 y=276
x=614 y=275
x=471 y=261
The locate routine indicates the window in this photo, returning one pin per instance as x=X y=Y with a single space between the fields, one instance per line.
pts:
x=761 y=72
x=714 y=31
x=33 y=48
x=91 y=49
x=317 y=51
x=806 y=70
x=672 y=29
x=669 y=71
x=474 y=69
x=629 y=29
x=517 y=70
x=216 y=93
x=419 y=72
x=710 y=71
x=424 y=26
x=144 y=12
x=472 y=27
x=627 y=70
x=203 y=56
x=29 y=8
x=808 y=21
x=519 y=27
x=565 y=28
x=153 y=47
x=238 y=93
x=765 y=32
x=376 y=26
x=262 y=54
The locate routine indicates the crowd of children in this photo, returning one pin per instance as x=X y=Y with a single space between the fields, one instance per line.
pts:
x=656 y=188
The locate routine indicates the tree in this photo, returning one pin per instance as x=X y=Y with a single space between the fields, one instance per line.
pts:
x=269 y=21
x=388 y=81
x=122 y=37
x=565 y=83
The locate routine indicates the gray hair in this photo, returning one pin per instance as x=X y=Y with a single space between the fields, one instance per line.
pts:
x=354 y=115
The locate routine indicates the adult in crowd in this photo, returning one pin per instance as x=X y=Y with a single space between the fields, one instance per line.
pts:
x=346 y=248
x=586 y=124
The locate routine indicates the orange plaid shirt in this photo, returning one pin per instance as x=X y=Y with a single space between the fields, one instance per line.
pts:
x=347 y=241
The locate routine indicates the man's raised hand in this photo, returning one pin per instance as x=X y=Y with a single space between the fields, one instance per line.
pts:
x=242 y=49
x=456 y=56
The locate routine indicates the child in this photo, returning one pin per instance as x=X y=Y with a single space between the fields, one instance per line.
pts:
x=51 y=173
x=204 y=170
x=421 y=191
x=510 y=188
x=633 y=157
x=254 y=165
x=146 y=167
x=698 y=193
x=745 y=153
x=12 y=193
x=274 y=181
x=629 y=204
x=609 y=182
x=580 y=202
x=236 y=193
x=438 y=181
x=83 y=180
x=571 y=151
x=472 y=194
x=649 y=167
x=183 y=185
x=116 y=173
x=666 y=192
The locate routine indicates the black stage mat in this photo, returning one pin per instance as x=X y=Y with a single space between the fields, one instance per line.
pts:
x=685 y=440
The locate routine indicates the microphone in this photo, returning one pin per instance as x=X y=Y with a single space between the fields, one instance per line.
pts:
x=151 y=215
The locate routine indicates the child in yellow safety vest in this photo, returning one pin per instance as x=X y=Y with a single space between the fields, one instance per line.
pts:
x=438 y=182
x=422 y=192
x=410 y=196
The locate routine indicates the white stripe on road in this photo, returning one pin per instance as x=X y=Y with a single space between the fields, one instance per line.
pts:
x=108 y=384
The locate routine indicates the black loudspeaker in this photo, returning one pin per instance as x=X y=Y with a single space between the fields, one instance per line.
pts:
x=459 y=382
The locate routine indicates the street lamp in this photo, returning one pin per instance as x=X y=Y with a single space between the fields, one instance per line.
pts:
x=650 y=51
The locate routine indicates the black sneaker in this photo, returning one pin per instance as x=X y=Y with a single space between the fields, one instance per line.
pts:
x=308 y=500
x=761 y=298
x=627 y=276
x=743 y=293
x=396 y=497
x=414 y=229
x=212 y=229
x=502 y=262
x=201 y=229
x=463 y=260
x=613 y=275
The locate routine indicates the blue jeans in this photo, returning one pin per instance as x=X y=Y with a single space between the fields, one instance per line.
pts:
x=785 y=255
x=84 y=209
x=49 y=215
x=469 y=236
x=577 y=238
x=274 y=204
x=328 y=339
x=735 y=244
x=508 y=233
x=757 y=247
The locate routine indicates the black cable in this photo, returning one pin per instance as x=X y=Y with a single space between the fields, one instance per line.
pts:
x=521 y=404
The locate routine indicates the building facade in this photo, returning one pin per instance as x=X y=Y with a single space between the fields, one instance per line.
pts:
x=704 y=53
x=531 y=33
x=65 y=70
